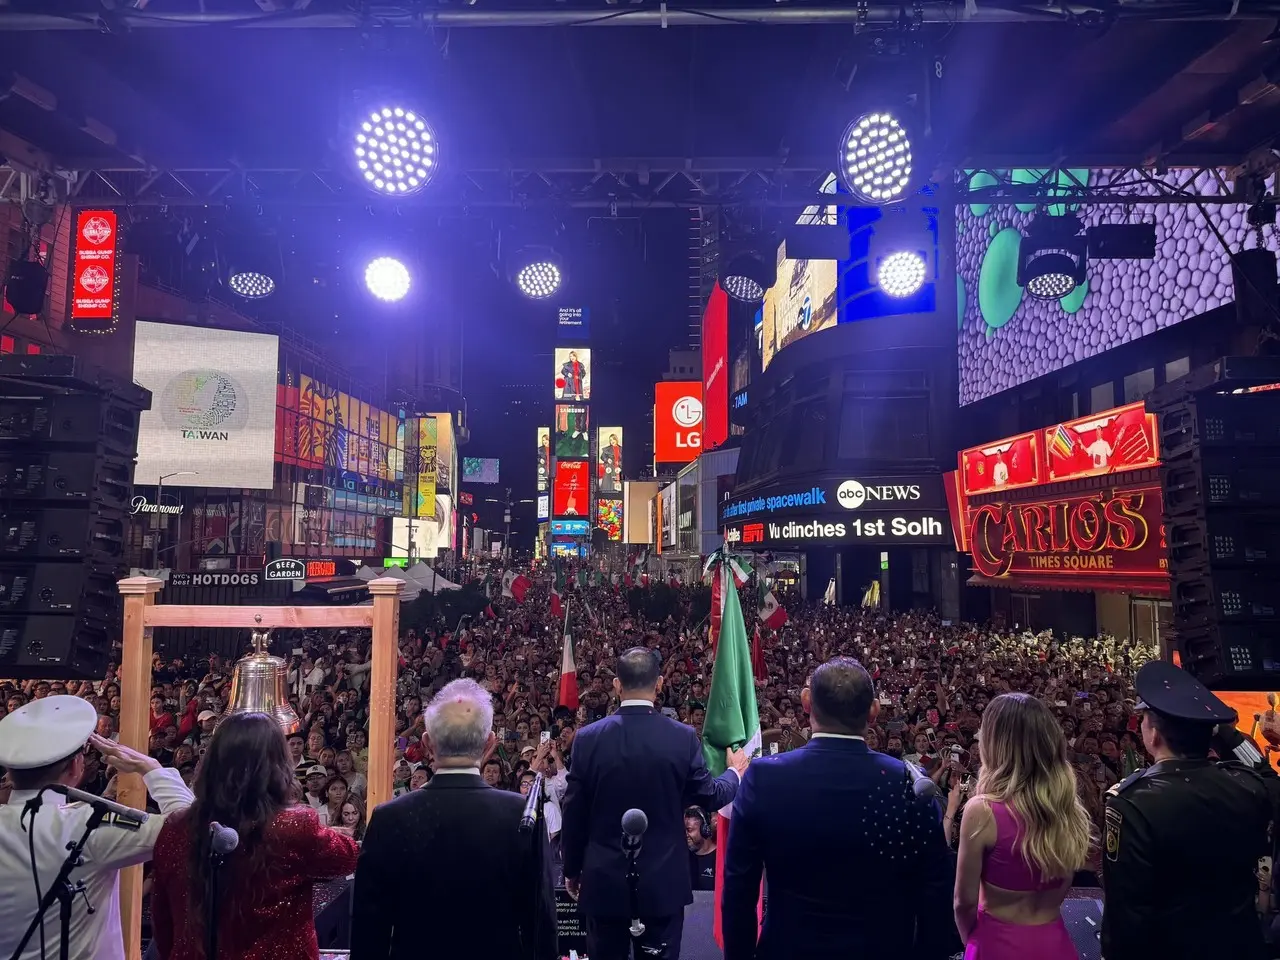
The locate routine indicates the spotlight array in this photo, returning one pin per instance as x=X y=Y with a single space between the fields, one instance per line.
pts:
x=251 y=284
x=1057 y=279
x=901 y=274
x=539 y=279
x=875 y=159
x=387 y=279
x=743 y=288
x=395 y=151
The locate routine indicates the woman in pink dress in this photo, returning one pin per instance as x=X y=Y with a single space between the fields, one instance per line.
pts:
x=1022 y=837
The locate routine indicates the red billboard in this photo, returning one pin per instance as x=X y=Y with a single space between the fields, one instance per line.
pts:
x=677 y=421
x=1110 y=442
x=1004 y=465
x=715 y=369
x=93 y=265
x=1108 y=533
x=571 y=490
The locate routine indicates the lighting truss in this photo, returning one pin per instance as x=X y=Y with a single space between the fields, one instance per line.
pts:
x=627 y=183
x=1131 y=186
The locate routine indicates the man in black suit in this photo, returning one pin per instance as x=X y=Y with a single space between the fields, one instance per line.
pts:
x=636 y=758
x=448 y=862
x=857 y=864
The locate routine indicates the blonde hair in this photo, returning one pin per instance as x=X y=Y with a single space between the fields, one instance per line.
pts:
x=1025 y=766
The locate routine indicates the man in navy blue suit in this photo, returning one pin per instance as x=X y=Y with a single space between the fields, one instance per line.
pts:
x=857 y=864
x=636 y=758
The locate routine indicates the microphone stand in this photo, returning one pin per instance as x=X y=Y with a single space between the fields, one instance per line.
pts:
x=211 y=911
x=62 y=889
x=631 y=846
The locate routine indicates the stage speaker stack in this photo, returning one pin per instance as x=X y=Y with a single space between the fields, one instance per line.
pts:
x=68 y=440
x=1220 y=476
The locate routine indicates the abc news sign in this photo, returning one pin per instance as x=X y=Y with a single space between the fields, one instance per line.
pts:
x=869 y=510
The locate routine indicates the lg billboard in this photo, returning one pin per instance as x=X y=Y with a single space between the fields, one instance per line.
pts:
x=677 y=421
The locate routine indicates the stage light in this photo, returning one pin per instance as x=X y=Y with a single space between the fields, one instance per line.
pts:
x=26 y=285
x=876 y=159
x=1052 y=257
x=747 y=276
x=251 y=284
x=387 y=279
x=537 y=272
x=901 y=274
x=395 y=151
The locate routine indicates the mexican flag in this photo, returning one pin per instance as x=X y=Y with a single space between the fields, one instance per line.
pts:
x=515 y=585
x=772 y=614
x=723 y=565
x=568 y=671
x=732 y=717
x=557 y=591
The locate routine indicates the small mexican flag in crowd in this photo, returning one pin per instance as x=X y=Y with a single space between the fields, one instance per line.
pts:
x=557 y=591
x=568 y=669
x=515 y=585
x=772 y=614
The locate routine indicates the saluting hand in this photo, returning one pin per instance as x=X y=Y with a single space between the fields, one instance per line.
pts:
x=123 y=759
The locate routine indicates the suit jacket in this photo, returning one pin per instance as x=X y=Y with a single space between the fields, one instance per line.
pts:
x=855 y=861
x=447 y=865
x=635 y=758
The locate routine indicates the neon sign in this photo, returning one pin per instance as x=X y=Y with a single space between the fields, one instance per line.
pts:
x=1118 y=532
x=321 y=568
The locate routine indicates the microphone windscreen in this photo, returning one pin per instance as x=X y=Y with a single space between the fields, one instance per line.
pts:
x=634 y=823
x=224 y=840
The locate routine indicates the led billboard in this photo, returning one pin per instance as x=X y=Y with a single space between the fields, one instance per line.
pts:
x=609 y=517
x=573 y=441
x=319 y=427
x=1007 y=338
x=446 y=453
x=212 y=421
x=571 y=492
x=573 y=324
x=668 y=509
x=573 y=373
x=479 y=470
x=677 y=421
x=95 y=287
x=801 y=302
x=425 y=451
x=544 y=506
x=715 y=369
x=609 y=461
x=544 y=457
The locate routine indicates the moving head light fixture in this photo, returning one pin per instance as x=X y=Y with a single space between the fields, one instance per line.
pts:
x=877 y=158
x=537 y=272
x=747 y=276
x=391 y=147
x=1053 y=254
x=900 y=251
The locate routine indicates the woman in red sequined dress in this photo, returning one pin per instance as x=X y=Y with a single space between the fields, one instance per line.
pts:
x=265 y=900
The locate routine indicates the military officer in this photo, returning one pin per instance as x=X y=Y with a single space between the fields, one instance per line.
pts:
x=43 y=744
x=1183 y=837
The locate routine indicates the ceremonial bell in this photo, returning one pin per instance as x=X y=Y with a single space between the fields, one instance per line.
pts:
x=260 y=685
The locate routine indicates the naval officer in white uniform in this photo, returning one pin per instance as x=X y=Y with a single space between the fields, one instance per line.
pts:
x=43 y=744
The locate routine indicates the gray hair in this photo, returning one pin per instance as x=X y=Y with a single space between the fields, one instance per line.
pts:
x=458 y=720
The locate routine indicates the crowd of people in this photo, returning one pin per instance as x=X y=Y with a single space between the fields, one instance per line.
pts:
x=1039 y=731
x=934 y=679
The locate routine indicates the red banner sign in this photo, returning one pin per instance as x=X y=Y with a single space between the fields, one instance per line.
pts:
x=1117 y=532
x=94 y=265
x=571 y=491
x=1004 y=465
x=1111 y=442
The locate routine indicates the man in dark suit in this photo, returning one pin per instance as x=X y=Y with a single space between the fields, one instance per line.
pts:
x=448 y=862
x=857 y=865
x=636 y=758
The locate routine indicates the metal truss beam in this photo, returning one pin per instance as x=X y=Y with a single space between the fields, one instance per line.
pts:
x=635 y=183
x=1125 y=186
x=407 y=14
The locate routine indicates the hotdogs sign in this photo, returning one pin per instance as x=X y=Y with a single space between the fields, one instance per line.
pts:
x=1108 y=532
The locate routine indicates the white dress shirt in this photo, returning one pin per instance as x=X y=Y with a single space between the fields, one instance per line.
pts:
x=97 y=935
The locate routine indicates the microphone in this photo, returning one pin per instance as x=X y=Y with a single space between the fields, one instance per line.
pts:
x=634 y=824
x=138 y=817
x=222 y=840
x=921 y=785
x=530 y=815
